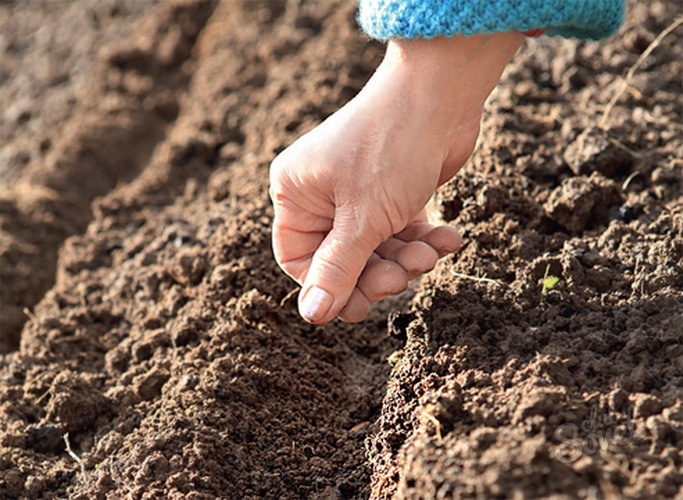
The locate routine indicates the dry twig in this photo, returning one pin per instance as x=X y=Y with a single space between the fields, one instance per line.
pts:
x=476 y=278
x=291 y=294
x=634 y=68
x=30 y=315
x=73 y=455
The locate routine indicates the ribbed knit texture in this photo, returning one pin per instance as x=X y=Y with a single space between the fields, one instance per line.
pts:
x=586 y=19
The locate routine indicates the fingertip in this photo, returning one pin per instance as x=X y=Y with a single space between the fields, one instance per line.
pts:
x=417 y=257
x=315 y=304
x=382 y=278
x=356 y=309
x=444 y=239
x=335 y=268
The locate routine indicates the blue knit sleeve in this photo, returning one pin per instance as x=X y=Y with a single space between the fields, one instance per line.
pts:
x=586 y=19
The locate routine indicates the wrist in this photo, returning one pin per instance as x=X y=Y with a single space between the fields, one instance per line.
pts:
x=457 y=71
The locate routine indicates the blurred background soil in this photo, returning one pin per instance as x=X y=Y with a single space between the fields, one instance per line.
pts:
x=142 y=313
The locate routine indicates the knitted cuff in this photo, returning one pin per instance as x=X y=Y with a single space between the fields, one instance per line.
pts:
x=585 y=19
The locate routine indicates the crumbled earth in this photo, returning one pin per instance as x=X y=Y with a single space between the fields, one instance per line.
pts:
x=147 y=329
x=504 y=389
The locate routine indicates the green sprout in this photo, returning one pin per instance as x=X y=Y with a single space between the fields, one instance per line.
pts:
x=549 y=282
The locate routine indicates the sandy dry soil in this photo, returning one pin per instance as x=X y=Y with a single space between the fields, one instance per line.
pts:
x=141 y=311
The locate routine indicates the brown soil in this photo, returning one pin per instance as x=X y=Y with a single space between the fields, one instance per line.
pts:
x=159 y=333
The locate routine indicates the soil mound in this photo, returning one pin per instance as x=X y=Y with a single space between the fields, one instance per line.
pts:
x=162 y=345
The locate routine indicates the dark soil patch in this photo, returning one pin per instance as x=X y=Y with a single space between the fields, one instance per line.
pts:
x=165 y=341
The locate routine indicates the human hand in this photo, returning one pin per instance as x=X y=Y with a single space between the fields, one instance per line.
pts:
x=349 y=196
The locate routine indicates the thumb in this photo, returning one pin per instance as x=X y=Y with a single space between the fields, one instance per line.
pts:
x=335 y=268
